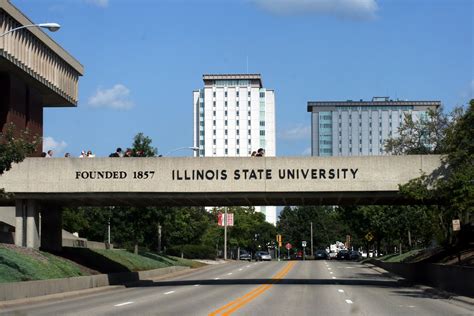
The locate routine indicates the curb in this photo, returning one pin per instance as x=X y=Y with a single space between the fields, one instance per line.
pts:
x=15 y=291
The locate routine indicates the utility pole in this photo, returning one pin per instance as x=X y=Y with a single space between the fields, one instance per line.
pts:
x=225 y=233
x=108 y=232
x=159 y=238
x=312 y=239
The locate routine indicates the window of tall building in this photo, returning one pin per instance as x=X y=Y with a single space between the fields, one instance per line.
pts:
x=262 y=94
x=214 y=122
x=214 y=141
x=250 y=131
x=250 y=122
x=201 y=133
x=225 y=141
x=201 y=123
x=225 y=132
x=225 y=94
x=237 y=113
x=262 y=133
x=237 y=141
x=225 y=122
x=249 y=113
x=238 y=151
x=248 y=93
x=214 y=132
x=225 y=103
x=237 y=122
x=214 y=113
x=226 y=151
x=250 y=142
x=225 y=112
x=262 y=123
x=237 y=104
x=214 y=94
x=201 y=142
x=249 y=103
x=238 y=132
x=214 y=103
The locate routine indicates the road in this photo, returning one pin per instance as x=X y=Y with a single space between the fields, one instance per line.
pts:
x=263 y=288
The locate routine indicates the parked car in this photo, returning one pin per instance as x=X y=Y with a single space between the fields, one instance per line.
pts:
x=332 y=254
x=244 y=255
x=354 y=255
x=321 y=255
x=262 y=256
x=343 y=255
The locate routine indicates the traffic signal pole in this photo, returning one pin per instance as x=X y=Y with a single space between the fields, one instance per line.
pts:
x=225 y=233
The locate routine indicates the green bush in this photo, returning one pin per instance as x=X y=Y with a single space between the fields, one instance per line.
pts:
x=192 y=251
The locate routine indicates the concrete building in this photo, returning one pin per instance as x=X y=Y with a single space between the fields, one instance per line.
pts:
x=234 y=115
x=35 y=72
x=359 y=128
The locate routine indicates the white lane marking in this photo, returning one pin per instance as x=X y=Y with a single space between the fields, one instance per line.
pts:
x=216 y=278
x=240 y=269
x=196 y=284
x=331 y=272
x=247 y=266
x=170 y=292
x=329 y=268
x=340 y=291
x=229 y=273
x=334 y=277
x=348 y=301
x=122 y=304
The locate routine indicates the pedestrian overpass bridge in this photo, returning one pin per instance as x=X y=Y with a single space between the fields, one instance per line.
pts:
x=42 y=185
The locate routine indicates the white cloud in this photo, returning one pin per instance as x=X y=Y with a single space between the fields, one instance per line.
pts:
x=116 y=97
x=355 y=9
x=298 y=132
x=49 y=143
x=98 y=3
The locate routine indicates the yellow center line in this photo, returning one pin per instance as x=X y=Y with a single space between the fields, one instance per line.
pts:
x=250 y=296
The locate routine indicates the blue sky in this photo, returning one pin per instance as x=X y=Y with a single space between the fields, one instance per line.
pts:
x=144 y=58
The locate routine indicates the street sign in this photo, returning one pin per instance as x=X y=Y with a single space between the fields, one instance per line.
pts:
x=288 y=246
x=221 y=221
x=456 y=225
x=303 y=243
x=369 y=236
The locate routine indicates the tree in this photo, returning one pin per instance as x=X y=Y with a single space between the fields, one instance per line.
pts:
x=421 y=135
x=142 y=146
x=294 y=225
x=450 y=187
x=15 y=149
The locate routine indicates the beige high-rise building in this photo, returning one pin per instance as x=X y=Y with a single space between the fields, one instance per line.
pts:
x=234 y=115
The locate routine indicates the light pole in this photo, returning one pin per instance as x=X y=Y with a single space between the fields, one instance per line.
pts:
x=180 y=148
x=52 y=27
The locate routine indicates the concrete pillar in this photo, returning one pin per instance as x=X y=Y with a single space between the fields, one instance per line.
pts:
x=51 y=228
x=27 y=224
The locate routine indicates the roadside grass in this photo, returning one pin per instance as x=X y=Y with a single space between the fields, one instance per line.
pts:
x=24 y=264
x=144 y=260
x=20 y=265
x=404 y=257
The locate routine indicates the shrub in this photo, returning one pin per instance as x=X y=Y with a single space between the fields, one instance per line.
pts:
x=192 y=251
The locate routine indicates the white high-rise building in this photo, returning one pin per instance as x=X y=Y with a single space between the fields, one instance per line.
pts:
x=234 y=116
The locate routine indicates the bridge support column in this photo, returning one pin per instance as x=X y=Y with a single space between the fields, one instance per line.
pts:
x=51 y=228
x=27 y=224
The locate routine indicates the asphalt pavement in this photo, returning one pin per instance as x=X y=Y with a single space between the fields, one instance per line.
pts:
x=263 y=288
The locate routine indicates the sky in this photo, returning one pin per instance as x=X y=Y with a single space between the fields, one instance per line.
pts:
x=143 y=59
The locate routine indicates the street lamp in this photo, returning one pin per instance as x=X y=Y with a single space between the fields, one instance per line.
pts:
x=52 y=27
x=180 y=148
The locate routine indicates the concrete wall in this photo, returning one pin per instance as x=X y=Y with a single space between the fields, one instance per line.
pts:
x=19 y=290
x=37 y=178
x=456 y=279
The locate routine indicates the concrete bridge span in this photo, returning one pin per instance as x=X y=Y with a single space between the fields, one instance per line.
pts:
x=45 y=185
